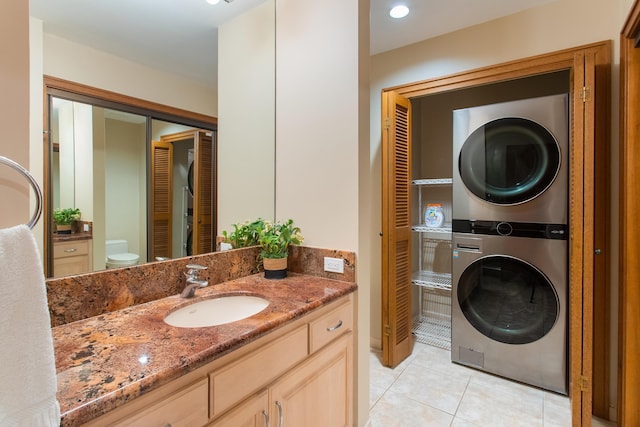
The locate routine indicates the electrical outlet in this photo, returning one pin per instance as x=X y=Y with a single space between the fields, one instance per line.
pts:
x=334 y=265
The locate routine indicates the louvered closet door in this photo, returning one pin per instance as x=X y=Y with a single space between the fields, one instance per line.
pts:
x=203 y=232
x=397 y=341
x=161 y=198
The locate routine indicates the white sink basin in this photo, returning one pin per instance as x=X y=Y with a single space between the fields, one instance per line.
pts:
x=216 y=311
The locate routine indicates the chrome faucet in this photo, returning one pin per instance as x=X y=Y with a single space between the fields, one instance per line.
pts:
x=193 y=281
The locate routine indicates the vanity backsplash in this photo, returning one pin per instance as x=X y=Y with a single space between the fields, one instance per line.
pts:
x=78 y=297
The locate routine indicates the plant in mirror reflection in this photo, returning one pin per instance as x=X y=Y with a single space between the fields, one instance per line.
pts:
x=65 y=216
x=244 y=234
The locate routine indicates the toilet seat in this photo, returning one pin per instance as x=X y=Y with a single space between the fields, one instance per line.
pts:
x=122 y=260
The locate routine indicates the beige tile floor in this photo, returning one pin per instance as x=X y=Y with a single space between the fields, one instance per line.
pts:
x=428 y=390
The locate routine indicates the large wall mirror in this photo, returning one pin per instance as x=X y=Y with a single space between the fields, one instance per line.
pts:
x=147 y=177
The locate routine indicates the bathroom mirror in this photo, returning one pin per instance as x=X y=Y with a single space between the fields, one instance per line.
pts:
x=119 y=210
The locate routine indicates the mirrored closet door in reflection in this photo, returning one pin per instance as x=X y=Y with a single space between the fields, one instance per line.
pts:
x=144 y=187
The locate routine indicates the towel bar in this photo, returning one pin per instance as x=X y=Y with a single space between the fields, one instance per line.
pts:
x=36 y=215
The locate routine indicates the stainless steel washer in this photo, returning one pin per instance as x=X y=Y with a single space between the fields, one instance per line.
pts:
x=511 y=161
x=509 y=301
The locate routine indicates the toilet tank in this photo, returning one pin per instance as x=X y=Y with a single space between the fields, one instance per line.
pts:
x=116 y=247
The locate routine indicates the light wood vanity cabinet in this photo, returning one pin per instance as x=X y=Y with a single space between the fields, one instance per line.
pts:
x=72 y=257
x=316 y=392
x=298 y=375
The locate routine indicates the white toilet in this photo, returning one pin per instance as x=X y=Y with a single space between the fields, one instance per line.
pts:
x=117 y=252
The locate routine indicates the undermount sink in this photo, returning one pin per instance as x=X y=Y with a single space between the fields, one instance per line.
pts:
x=216 y=311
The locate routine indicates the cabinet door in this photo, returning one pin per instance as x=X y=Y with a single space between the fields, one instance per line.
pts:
x=319 y=392
x=72 y=257
x=251 y=413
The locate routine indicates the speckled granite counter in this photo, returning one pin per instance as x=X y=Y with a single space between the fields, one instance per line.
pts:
x=104 y=361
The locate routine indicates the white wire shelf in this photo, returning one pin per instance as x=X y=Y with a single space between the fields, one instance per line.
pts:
x=434 y=332
x=436 y=181
x=441 y=232
x=430 y=279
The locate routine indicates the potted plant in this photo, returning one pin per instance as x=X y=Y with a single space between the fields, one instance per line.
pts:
x=274 y=241
x=63 y=218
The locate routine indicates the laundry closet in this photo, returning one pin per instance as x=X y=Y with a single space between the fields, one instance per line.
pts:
x=495 y=240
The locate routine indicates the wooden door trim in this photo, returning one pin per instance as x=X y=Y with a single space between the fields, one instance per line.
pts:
x=106 y=95
x=583 y=227
x=628 y=267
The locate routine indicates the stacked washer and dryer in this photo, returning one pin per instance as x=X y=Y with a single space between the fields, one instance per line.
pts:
x=510 y=230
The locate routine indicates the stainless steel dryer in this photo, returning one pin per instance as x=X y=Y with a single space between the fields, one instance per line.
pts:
x=509 y=301
x=511 y=161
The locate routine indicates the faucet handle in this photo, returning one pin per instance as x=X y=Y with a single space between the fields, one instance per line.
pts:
x=196 y=267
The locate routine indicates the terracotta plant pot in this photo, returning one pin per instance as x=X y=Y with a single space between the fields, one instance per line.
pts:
x=275 y=268
x=63 y=229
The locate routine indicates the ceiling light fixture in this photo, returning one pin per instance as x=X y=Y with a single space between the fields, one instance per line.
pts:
x=399 y=11
x=213 y=1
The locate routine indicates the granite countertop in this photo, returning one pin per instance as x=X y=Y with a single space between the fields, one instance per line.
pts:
x=105 y=361
x=57 y=237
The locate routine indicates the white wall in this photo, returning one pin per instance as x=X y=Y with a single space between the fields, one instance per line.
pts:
x=320 y=93
x=125 y=183
x=554 y=26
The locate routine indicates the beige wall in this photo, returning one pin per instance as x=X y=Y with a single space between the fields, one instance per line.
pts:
x=246 y=135
x=14 y=111
x=554 y=26
x=81 y=64
x=319 y=131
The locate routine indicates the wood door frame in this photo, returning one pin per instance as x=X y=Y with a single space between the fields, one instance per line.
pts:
x=629 y=269
x=588 y=139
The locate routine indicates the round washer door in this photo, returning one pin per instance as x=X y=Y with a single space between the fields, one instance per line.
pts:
x=509 y=161
x=508 y=300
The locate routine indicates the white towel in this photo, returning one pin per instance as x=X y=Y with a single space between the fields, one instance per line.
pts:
x=27 y=363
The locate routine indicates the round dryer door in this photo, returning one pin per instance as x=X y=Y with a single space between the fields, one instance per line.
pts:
x=507 y=299
x=509 y=161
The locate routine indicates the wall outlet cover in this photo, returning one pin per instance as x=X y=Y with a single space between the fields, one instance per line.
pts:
x=334 y=265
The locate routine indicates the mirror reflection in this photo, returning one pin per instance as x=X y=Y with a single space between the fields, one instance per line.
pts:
x=148 y=183
x=130 y=213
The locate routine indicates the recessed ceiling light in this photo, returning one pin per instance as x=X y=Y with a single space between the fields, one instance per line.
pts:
x=399 y=11
x=213 y=1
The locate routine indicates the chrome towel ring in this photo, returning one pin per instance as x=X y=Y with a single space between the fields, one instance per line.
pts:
x=38 y=212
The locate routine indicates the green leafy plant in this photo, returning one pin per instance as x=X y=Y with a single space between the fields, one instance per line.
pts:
x=276 y=238
x=244 y=234
x=65 y=216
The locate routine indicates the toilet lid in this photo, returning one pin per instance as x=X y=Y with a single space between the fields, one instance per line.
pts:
x=123 y=258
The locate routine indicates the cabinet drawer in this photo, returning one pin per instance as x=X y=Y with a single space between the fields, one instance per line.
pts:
x=330 y=326
x=69 y=249
x=187 y=407
x=233 y=383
